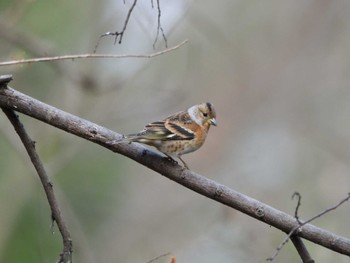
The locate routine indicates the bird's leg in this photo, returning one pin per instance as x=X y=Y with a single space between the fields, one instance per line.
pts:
x=174 y=161
x=185 y=164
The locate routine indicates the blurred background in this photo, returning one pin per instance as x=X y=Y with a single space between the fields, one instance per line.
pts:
x=278 y=73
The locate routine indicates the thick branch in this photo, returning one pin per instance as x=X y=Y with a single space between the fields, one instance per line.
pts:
x=15 y=100
x=300 y=247
x=66 y=255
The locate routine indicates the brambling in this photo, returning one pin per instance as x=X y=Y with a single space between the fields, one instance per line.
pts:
x=178 y=134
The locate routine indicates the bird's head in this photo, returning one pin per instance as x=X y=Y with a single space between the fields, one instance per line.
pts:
x=203 y=114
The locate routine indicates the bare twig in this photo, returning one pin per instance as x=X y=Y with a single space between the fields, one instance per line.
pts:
x=12 y=99
x=66 y=255
x=296 y=194
x=158 y=257
x=121 y=33
x=72 y=57
x=118 y=34
x=295 y=230
x=297 y=241
x=159 y=27
x=327 y=210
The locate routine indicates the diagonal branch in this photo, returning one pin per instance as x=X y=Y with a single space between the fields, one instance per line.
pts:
x=56 y=215
x=12 y=99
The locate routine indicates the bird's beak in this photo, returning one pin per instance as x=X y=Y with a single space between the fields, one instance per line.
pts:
x=213 y=122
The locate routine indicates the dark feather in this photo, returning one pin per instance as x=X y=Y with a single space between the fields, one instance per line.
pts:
x=181 y=133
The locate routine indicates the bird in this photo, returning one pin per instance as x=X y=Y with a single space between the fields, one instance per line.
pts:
x=178 y=134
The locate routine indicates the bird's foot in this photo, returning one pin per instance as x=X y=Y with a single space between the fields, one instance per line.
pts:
x=171 y=159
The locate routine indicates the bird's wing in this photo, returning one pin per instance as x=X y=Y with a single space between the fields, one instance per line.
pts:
x=162 y=130
x=174 y=127
x=178 y=131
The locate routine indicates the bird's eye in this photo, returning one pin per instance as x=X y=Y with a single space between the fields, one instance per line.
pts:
x=205 y=114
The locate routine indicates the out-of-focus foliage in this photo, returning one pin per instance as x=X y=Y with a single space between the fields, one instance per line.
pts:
x=278 y=74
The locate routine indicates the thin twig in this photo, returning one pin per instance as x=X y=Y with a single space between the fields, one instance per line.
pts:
x=56 y=215
x=158 y=257
x=296 y=228
x=35 y=47
x=82 y=56
x=118 y=34
x=296 y=194
x=159 y=28
x=121 y=34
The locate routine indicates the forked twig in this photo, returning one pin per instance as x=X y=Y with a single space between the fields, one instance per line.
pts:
x=120 y=34
x=296 y=228
x=159 y=27
x=116 y=33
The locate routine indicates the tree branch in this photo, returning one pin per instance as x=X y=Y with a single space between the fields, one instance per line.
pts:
x=72 y=57
x=12 y=99
x=56 y=215
x=300 y=247
x=120 y=34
